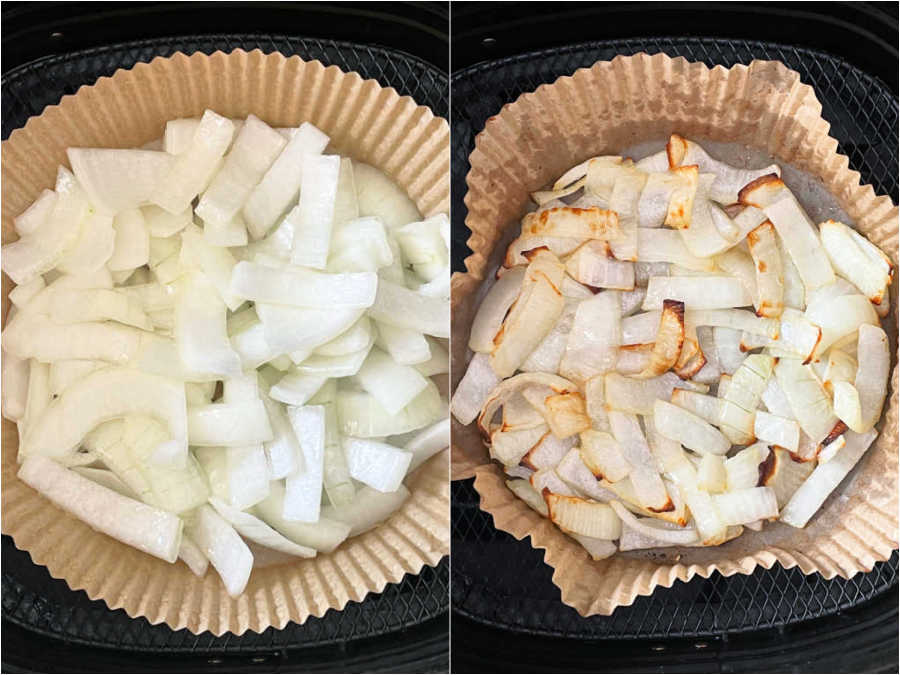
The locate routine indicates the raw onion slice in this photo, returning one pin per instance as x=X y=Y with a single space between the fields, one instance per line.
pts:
x=288 y=285
x=392 y=384
x=648 y=486
x=378 y=465
x=283 y=451
x=161 y=224
x=810 y=496
x=428 y=442
x=258 y=531
x=303 y=488
x=117 y=180
x=582 y=516
x=359 y=414
x=855 y=263
x=595 y=335
x=200 y=334
x=691 y=431
x=229 y=424
x=406 y=346
x=697 y=292
x=224 y=547
x=368 y=509
x=493 y=309
x=14 y=388
x=638 y=396
x=217 y=264
x=398 y=306
x=312 y=217
x=775 y=430
x=36 y=214
x=324 y=535
x=131 y=247
x=602 y=454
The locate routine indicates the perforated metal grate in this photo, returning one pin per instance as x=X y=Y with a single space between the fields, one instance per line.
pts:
x=31 y=598
x=503 y=582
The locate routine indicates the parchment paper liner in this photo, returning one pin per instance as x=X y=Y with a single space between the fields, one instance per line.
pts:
x=364 y=120
x=601 y=110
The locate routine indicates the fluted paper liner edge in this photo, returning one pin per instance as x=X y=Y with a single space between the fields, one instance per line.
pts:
x=602 y=110
x=371 y=123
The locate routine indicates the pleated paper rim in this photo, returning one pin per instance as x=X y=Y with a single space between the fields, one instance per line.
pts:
x=369 y=122
x=541 y=134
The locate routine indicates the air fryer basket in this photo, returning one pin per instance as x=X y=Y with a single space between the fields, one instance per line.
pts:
x=412 y=612
x=503 y=583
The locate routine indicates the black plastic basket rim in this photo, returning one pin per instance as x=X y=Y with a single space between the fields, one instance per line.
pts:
x=13 y=74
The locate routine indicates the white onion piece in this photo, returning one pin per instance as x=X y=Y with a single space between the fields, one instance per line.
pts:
x=254 y=149
x=223 y=546
x=841 y=367
x=192 y=169
x=193 y=556
x=697 y=292
x=216 y=262
x=592 y=264
x=603 y=455
x=93 y=247
x=648 y=486
x=592 y=345
x=313 y=215
x=405 y=346
x=691 y=431
x=393 y=385
x=708 y=408
x=584 y=517
x=378 y=465
x=737 y=263
x=356 y=337
x=398 y=306
x=578 y=476
x=21 y=295
x=302 y=329
x=258 y=531
x=303 y=488
x=623 y=201
x=728 y=348
x=788 y=473
x=381 y=197
x=829 y=452
x=296 y=388
x=673 y=537
x=248 y=475
x=283 y=451
x=117 y=180
x=703 y=237
x=36 y=214
x=799 y=338
x=368 y=509
x=473 y=389
x=548 y=354
x=809 y=401
x=549 y=479
x=359 y=414
x=711 y=474
x=362 y=245
x=281 y=182
x=438 y=363
x=509 y=447
x=203 y=344
x=147 y=529
x=661 y=245
x=778 y=431
x=853 y=262
x=640 y=328
x=763 y=244
x=737 y=507
x=324 y=535
x=289 y=285
x=160 y=223
x=840 y=317
x=810 y=496
x=132 y=241
x=524 y=491
x=638 y=396
x=873 y=354
x=41 y=250
x=334 y=366
x=14 y=388
x=428 y=442
x=229 y=424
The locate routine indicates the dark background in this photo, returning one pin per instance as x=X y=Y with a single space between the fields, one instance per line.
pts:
x=507 y=616
x=49 y=49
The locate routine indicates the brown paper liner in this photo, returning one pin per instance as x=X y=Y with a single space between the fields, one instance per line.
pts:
x=366 y=121
x=602 y=110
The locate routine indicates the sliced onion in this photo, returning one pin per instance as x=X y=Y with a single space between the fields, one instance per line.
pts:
x=841 y=367
x=473 y=389
x=592 y=264
x=840 y=317
x=674 y=537
x=229 y=424
x=591 y=223
x=662 y=245
x=638 y=396
x=223 y=546
x=258 y=531
x=368 y=509
x=776 y=430
x=763 y=245
x=688 y=429
x=810 y=496
x=144 y=527
x=324 y=535
x=524 y=491
x=578 y=476
x=809 y=401
x=648 y=486
x=711 y=474
x=595 y=335
x=518 y=250
x=787 y=474
x=640 y=328
x=117 y=180
x=873 y=354
x=603 y=455
x=305 y=288
x=737 y=507
x=728 y=349
x=855 y=263
x=493 y=309
x=697 y=292
x=584 y=517
x=548 y=354
x=359 y=414
x=708 y=408
x=549 y=480
x=37 y=214
x=669 y=340
x=737 y=319
x=736 y=263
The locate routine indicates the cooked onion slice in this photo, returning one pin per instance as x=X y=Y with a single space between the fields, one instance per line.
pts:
x=532 y=316
x=697 y=292
x=737 y=507
x=809 y=401
x=847 y=405
x=708 y=408
x=493 y=309
x=548 y=452
x=592 y=344
x=763 y=245
x=872 y=374
x=566 y=221
x=829 y=452
x=810 y=496
x=509 y=447
x=691 y=431
x=637 y=396
x=840 y=317
x=623 y=201
x=782 y=472
x=841 y=367
x=566 y=414
x=668 y=536
x=711 y=474
x=524 y=491
x=794 y=227
x=854 y=262
x=648 y=485
x=776 y=430
x=592 y=264
x=579 y=477
x=602 y=454
x=737 y=263
x=737 y=319
x=704 y=238
x=669 y=340
x=583 y=516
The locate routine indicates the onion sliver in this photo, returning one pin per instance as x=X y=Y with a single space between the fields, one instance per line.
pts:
x=229 y=424
x=288 y=285
x=584 y=517
x=378 y=465
x=144 y=527
x=680 y=425
x=697 y=292
x=873 y=355
x=679 y=537
x=368 y=509
x=592 y=344
x=493 y=309
x=224 y=547
x=258 y=531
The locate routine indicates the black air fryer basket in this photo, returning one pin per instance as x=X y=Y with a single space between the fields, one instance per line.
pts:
x=46 y=626
x=507 y=613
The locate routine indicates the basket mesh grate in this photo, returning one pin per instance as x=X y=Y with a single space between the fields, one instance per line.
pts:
x=31 y=598
x=503 y=582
